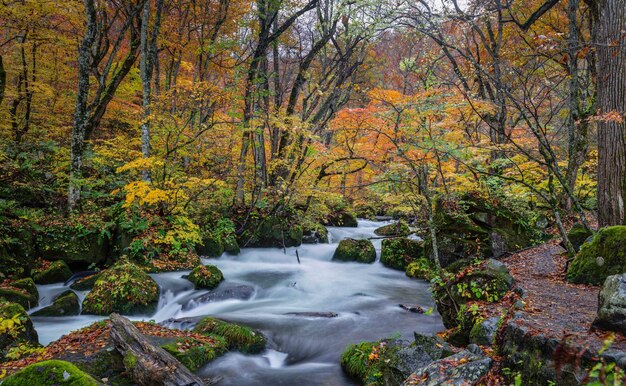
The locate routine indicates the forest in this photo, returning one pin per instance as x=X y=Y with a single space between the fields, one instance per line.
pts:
x=312 y=192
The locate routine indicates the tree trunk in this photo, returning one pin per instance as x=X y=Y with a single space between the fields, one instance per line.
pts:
x=3 y=80
x=147 y=364
x=610 y=42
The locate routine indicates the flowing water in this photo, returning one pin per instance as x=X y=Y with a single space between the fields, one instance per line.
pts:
x=302 y=350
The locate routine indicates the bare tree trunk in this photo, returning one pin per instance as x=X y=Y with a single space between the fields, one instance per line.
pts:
x=425 y=191
x=610 y=42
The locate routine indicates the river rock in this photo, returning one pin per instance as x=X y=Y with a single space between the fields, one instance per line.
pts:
x=361 y=251
x=205 y=277
x=412 y=308
x=238 y=292
x=314 y=314
x=342 y=218
x=397 y=229
x=124 y=288
x=23 y=292
x=55 y=272
x=21 y=332
x=612 y=304
x=315 y=234
x=464 y=368
x=51 y=372
x=66 y=303
x=604 y=256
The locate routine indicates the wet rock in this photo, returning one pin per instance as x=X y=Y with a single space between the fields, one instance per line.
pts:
x=604 y=256
x=22 y=331
x=272 y=232
x=412 y=308
x=315 y=234
x=314 y=314
x=612 y=304
x=239 y=292
x=56 y=272
x=464 y=368
x=194 y=353
x=85 y=283
x=205 y=276
x=361 y=251
x=66 y=303
x=23 y=292
x=211 y=246
x=398 y=253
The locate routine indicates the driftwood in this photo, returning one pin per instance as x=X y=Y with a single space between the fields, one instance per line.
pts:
x=147 y=364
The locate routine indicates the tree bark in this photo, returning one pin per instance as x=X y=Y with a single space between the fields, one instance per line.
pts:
x=610 y=43
x=147 y=364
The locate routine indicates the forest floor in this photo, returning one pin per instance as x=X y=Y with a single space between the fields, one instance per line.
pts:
x=554 y=307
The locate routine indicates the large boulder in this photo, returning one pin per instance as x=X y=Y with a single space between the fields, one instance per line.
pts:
x=206 y=277
x=464 y=368
x=16 y=329
x=22 y=291
x=50 y=373
x=578 y=234
x=51 y=272
x=124 y=288
x=238 y=337
x=397 y=229
x=360 y=251
x=67 y=303
x=612 y=304
x=398 y=253
x=605 y=255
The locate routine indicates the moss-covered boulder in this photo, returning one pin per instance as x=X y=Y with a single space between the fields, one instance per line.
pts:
x=397 y=229
x=124 y=288
x=421 y=268
x=211 y=246
x=194 y=353
x=85 y=283
x=577 y=235
x=238 y=337
x=342 y=218
x=360 y=251
x=315 y=234
x=205 y=277
x=65 y=304
x=398 y=253
x=231 y=246
x=50 y=373
x=488 y=281
x=51 y=272
x=15 y=328
x=604 y=256
x=23 y=292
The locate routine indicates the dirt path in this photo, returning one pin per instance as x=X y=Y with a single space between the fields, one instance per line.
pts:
x=554 y=307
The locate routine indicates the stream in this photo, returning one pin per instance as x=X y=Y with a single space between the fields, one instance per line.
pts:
x=302 y=349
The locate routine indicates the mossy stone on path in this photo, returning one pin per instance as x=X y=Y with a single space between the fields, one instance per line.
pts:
x=604 y=256
x=360 y=251
x=50 y=373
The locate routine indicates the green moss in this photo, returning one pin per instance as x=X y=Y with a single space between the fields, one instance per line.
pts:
x=194 y=353
x=238 y=337
x=57 y=272
x=230 y=245
x=212 y=246
x=342 y=218
x=206 y=276
x=398 y=253
x=578 y=235
x=65 y=304
x=361 y=251
x=397 y=229
x=355 y=360
x=18 y=295
x=421 y=269
x=28 y=285
x=85 y=283
x=123 y=288
x=130 y=360
x=372 y=363
x=605 y=255
x=50 y=373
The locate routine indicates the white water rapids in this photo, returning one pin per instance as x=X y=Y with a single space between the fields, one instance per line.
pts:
x=302 y=350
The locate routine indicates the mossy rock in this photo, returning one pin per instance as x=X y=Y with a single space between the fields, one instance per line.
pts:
x=85 y=283
x=21 y=296
x=578 y=235
x=360 y=251
x=604 y=256
x=315 y=234
x=65 y=304
x=194 y=353
x=206 y=277
x=397 y=229
x=274 y=232
x=230 y=246
x=342 y=218
x=68 y=240
x=21 y=331
x=27 y=284
x=398 y=253
x=211 y=246
x=124 y=288
x=421 y=269
x=56 y=272
x=238 y=337
x=50 y=373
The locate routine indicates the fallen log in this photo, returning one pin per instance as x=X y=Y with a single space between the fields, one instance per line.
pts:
x=147 y=364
